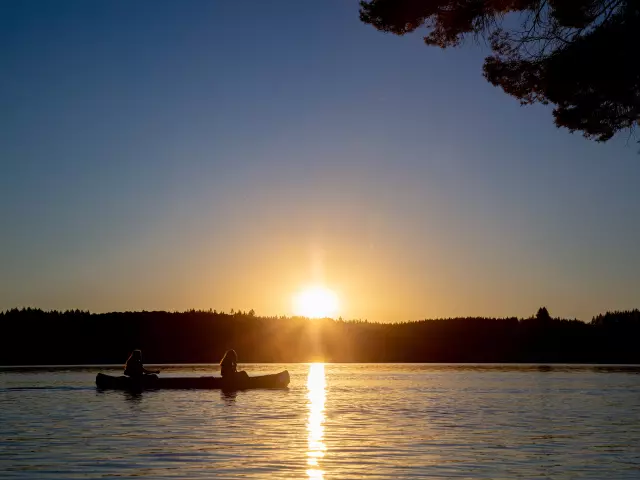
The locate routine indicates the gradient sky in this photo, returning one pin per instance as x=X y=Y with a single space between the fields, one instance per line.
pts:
x=174 y=155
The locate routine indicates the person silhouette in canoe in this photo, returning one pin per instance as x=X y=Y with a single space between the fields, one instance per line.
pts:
x=134 y=368
x=229 y=365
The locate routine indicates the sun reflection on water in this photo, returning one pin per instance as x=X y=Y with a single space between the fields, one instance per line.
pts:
x=316 y=385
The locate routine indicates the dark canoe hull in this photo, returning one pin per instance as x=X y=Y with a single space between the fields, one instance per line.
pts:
x=277 y=380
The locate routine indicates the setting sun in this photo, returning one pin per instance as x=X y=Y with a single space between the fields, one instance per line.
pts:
x=315 y=302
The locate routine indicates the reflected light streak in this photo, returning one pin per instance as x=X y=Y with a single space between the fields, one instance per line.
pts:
x=316 y=394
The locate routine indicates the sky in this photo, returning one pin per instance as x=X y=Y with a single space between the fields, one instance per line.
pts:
x=164 y=155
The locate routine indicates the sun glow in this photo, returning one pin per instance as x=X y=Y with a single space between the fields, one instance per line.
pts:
x=315 y=302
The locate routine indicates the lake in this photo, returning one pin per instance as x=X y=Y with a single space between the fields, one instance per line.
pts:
x=336 y=421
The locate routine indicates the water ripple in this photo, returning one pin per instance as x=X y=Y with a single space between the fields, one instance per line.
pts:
x=335 y=422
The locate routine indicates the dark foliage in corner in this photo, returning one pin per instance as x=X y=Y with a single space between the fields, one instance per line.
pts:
x=579 y=55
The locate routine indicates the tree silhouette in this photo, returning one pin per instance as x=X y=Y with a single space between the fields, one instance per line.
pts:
x=579 y=55
x=193 y=336
x=543 y=314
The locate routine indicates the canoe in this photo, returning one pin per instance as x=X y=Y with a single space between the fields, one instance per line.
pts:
x=277 y=380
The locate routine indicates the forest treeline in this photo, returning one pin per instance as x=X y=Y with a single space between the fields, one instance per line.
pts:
x=37 y=337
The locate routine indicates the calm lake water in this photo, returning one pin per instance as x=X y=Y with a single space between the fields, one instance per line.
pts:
x=334 y=422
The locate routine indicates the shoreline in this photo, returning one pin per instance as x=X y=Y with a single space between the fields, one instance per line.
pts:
x=479 y=365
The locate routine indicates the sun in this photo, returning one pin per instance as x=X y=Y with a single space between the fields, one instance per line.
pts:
x=315 y=302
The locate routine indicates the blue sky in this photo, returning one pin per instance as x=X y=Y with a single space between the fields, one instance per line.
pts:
x=173 y=155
